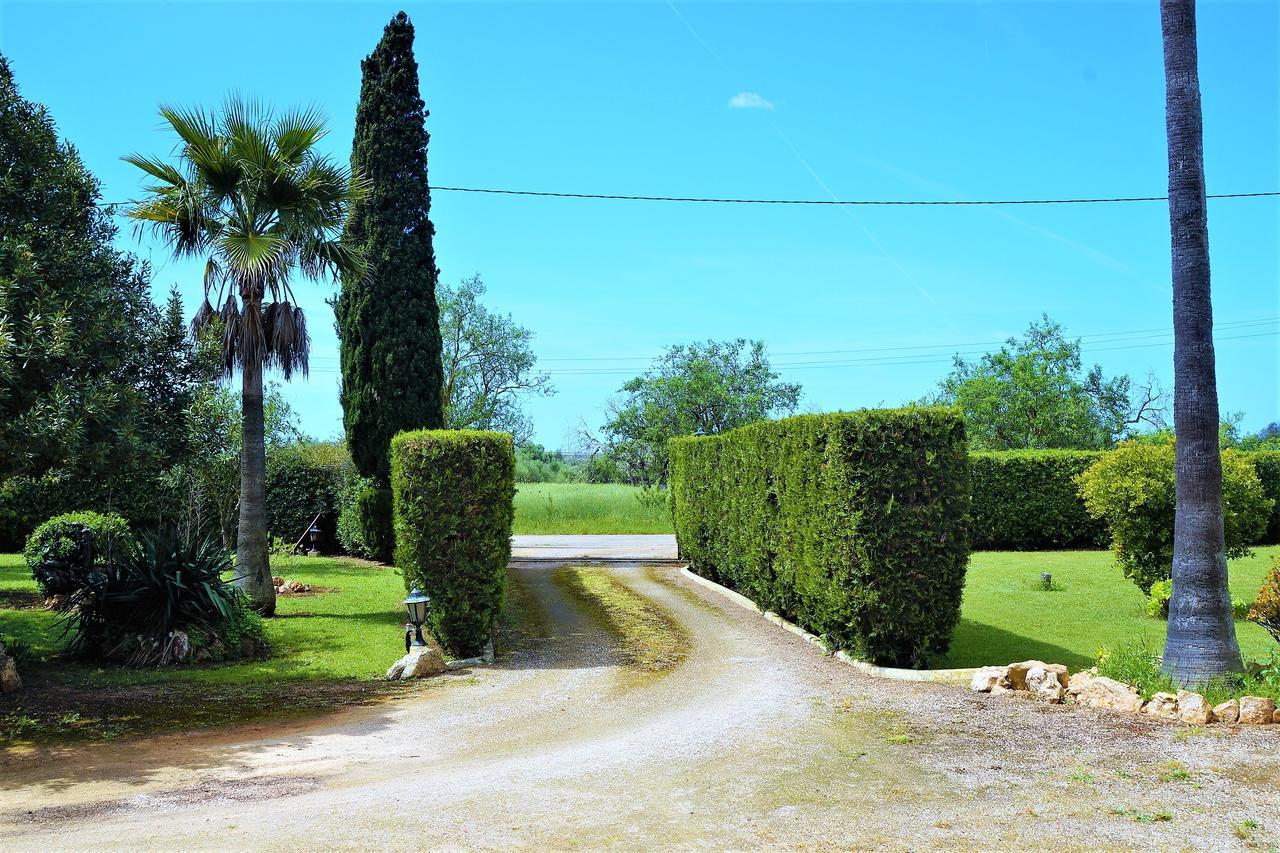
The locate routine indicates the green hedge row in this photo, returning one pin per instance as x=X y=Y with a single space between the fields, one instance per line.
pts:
x=452 y=495
x=305 y=480
x=851 y=524
x=1267 y=463
x=1028 y=500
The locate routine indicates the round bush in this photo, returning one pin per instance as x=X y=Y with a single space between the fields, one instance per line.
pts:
x=67 y=549
x=1131 y=488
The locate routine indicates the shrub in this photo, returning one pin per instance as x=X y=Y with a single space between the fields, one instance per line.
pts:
x=365 y=525
x=132 y=611
x=1027 y=500
x=67 y=549
x=1131 y=488
x=452 y=493
x=303 y=481
x=851 y=524
x=1267 y=464
x=1266 y=608
x=1158 y=600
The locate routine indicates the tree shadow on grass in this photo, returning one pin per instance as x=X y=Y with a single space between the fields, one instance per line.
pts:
x=979 y=644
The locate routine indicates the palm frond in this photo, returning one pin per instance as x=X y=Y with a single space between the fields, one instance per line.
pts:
x=295 y=132
x=288 y=344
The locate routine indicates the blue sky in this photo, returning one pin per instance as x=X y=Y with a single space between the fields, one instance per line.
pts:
x=847 y=100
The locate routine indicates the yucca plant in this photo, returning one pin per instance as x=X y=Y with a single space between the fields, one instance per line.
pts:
x=133 y=608
x=251 y=195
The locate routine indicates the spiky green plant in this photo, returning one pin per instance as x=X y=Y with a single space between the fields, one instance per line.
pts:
x=251 y=195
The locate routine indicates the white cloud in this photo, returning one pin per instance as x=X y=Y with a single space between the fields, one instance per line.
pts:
x=749 y=101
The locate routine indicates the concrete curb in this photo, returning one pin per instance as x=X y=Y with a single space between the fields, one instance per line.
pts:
x=936 y=676
x=464 y=663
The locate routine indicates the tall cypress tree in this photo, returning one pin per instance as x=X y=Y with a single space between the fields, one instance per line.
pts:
x=388 y=320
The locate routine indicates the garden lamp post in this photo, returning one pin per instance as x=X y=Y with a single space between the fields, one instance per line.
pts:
x=314 y=534
x=416 y=604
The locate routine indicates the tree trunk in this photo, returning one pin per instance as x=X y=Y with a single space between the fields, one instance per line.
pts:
x=1200 y=643
x=253 y=570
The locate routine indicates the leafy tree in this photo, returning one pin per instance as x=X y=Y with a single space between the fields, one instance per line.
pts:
x=1034 y=394
x=250 y=193
x=92 y=375
x=488 y=364
x=388 y=320
x=1200 y=642
x=709 y=387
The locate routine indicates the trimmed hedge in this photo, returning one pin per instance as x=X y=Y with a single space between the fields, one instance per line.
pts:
x=453 y=494
x=1028 y=500
x=1267 y=464
x=851 y=524
x=304 y=480
x=65 y=551
x=365 y=522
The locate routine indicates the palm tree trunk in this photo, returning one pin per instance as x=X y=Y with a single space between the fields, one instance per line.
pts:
x=254 y=568
x=1200 y=643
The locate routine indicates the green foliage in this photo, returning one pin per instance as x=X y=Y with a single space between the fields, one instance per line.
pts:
x=573 y=508
x=131 y=610
x=488 y=364
x=1266 y=608
x=852 y=524
x=1027 y=500
x=453 y=493
x=1158 y=600
x=1131 y=488
x=1267 y=464
x=305 y=480
x=387 y=318
x=1033 y=394
x=67 y=549
x=536 y=464
x=93 y=375
x=1138 y=664
x=710 y=387
x=366 y=524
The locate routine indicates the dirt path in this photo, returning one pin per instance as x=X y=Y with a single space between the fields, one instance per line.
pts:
x=754 y=739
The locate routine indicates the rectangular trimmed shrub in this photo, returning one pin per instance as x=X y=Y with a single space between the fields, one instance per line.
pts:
x=1267 y=464
x=452 y=497
x=1028 y=500
x=852 y=524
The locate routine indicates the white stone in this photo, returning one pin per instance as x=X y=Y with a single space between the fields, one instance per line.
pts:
x=1044 y=684
x=1078 y=682
x=1103 y=692
x=988 y=677
x=1256 y=710
x=1018 y=672
x=1192 y=708
x=1227 y=712
x=421 y=662
x=1162 y=705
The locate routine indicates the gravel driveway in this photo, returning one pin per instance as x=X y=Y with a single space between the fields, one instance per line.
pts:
x=753 y=740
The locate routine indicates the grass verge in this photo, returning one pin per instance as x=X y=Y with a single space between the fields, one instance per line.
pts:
x=649 y=639
x=573 y=508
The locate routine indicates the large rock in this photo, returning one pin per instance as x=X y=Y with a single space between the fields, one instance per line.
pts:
x=9 y=680
x=988 y=677
x=1018 y=672
x=1044 y=684
x=1227 y=712
x=1162 y=705
x=1256 y=710
x=1103 y=692
x=1192 y=708
x=1078 y=682
x=421 y=662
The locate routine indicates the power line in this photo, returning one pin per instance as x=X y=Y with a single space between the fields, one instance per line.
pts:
x=815 y=201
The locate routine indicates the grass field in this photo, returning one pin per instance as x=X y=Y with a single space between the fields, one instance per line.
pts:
x=568 y=508
x=1007 y=617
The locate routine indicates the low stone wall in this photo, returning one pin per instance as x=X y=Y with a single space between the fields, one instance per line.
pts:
x=1050 y=682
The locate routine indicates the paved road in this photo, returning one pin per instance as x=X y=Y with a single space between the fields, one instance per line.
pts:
x=753 y=740
x=648 y=547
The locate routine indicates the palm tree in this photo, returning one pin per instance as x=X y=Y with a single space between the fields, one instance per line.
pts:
x=250 y=194
x=1201 y=639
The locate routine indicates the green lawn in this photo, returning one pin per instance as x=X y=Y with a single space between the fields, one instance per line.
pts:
x=589 y=508
x=1006 y=617
x=354 y=631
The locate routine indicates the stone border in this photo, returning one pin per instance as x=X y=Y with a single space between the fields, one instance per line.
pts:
x=955 y=677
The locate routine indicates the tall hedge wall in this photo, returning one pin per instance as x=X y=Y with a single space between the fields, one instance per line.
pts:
x=304 y=480
x=1267 y=463
x=1027 y=500
x=452 y=497
x=851 y=524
